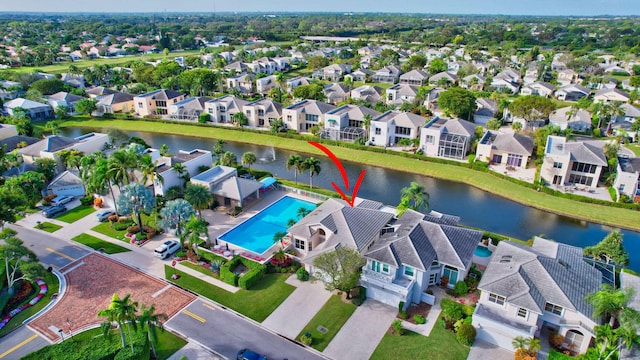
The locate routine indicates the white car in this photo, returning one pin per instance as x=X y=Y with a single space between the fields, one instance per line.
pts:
x=167 y=249
x=103 y=215
x=62 y=200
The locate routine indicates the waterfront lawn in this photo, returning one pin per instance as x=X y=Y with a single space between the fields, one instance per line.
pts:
x=48 y=227
x=257 y=303
x=440 y=345
x=332 y=316
x=76 y=213
x=95 y=243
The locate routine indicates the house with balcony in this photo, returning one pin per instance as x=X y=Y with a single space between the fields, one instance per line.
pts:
x=509 y=149
x=188 y=109
x=628 y=177
x=192 y=160
x=305 y=114
x=367 y=93
x=262 y=112
x=223 y=108
x=347 y=122
x=400 y=93
x=414 y=77
x=526 y=291
x=392 y=126
x=569 y=163
x=578 y=120
x=447 y=138
x=156 y=103
x=388 y=74
x=228 y=189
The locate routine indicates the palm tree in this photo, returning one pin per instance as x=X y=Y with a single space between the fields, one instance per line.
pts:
x=295 y=162
x=366 y=124
x=119 y=164
x=199 y=197
x=534 y=346
x=313 y=165
x=149 y=172
x=613 y=304
x=228 y=159
x=53 y=127
x=181 y=171
x=415 y=194
x=240 y=119
x=218 y=149
x=125 y=310
x=152 y=321
x=302 y=212
x=248 y=159
x=520 y=343
x=119 y=311
x=164 y=150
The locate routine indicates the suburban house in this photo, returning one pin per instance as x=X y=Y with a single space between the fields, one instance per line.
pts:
x=238 y=67
x=578 y=120
x=263 y=65
x=360 y=75
x=9 y=89
x=627 y=177
x=242 y=83
x=66 y=183
x=188 y=109
x=532 y=74
x=474 y=82
x=156 y=102
x=98 y=91
x=64 y=99
x=192 y=160
x=571 y=92
x=264 y=84
x=333 y=72
x=538 y=88
x=335 y=93
x=447 y=138
x=399 y=93
x=305 y=114
x=223 y=108
x=50 y=146
x=486 y=110
x=526 y=291
x=610 y=96
x=392 y=126
x=291 y=84
x=444 y=77
x=228 y=189
x=262 y=112
x=117 y=102
x=388 y=74
x=347 y=122
x=367 y=93
x=7 y=131
x=572 y=163
x=625 y=122
x=509 y=149
x=568 y=76
x=34 y=110
x=414 y=77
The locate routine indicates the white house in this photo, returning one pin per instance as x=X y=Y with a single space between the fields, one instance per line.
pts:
x=52 y=145
x=538 y=88
x=305 y=114
x=627 y=177
x=188 y=109
x=34 y=110
x=228 y=189
x=505 y=148
x=261 y=113
x=571 y=92
x=223 y=108
x=572 y=163
x=578 y=120
x=367 y=93
x=264 y=84
x=7 y=131
x=66 y=183
x=347 y=122
x=447 y=138
x=399 y=93
x=487 y=109
x=192 y=160
x=610 y=95
x=392 y=126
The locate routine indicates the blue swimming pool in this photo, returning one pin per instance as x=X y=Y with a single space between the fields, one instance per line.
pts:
x=256 y=233
x=482 y=251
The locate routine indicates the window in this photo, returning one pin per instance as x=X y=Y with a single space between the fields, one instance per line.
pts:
x=160 y=103
x=554 y=309
x=514 y=160
x=260 y=112
x=311 y=117
x=160 y=111
x=379 y=267
x=430 y=139
x=355 y=123
x=210 y=110
x=403 y=130
x=409 y=271
x=497 y=299
x=621 y=187
x=557 y=165
x=140 y=104
x=289 y=118
x=378 y=131
x=299 y=244
x=522 y=313
x=580 y=179
x=585 y=168
x=261 y=122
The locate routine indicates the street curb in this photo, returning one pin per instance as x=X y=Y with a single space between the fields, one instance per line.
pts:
x=192 y=340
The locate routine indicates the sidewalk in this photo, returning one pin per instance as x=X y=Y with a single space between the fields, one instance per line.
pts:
x=193 y=351
x=432 y=316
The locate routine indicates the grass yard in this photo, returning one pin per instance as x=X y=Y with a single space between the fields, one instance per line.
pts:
x=257 y=303
x=105 y=229
x=439 y=345
x=198 y=268
x=53 y=285
x=486 y=181
x=48 y=227
x=634 y=147
x=95 y=243
x=332 y=316
x=76 y=214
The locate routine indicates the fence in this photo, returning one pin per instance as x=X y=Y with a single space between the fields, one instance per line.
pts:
x=306 y=193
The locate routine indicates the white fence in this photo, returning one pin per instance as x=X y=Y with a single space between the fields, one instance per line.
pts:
x=306 y=193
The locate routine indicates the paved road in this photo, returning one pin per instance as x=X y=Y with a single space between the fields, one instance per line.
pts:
x=51 y=250
x=19 y=343
x=228 y=333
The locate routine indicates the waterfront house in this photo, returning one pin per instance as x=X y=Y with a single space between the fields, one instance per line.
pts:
x=192 y=160
x=509 y=149
x=305 y=114
x=228 y=189
x=392 y=126
x=572 y=163
x=65 y=99
x=117 y=102
x=34 y=110
x=223 y=108
x=51 y=146
x=261 y=113
x=447 y=138
x=156 y=103
x=188 y=109
x=347 y=122
x=627 y=177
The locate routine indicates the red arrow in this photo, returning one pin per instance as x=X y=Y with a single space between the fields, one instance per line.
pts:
x=344 y=175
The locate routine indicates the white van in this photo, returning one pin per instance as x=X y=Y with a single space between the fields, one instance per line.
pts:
x=167 y=249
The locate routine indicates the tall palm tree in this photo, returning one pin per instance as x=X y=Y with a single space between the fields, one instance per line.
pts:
x=181 y=171
x=152 y=321
x=295 y=162
x=313 y=165
x=240 y=119
x=218 y=149
x=120 y=162
x=248 y=159
x=53 y=127
x=366 y=124
x=199 y=197
x=121 y=311
x=415 y=196
x=149 y=172
x=613 y=304
x=228 y=159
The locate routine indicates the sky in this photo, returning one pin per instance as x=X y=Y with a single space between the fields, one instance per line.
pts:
x=506 y=7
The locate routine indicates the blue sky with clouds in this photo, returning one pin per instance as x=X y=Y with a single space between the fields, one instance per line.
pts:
x=508 y=7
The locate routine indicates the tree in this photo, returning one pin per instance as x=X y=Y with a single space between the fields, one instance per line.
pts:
x=228 y=159
x=494 y=124
x=120 y=311
x=198 y=196
x=218 y=149
x=117 y=136
x=295 y=162
x=414 y=197
x=149 y=171
x=62 y=111
x=182 y=172
x=86 y=106
x=174 y=214
x=48 y=86
x=240 y=119
x=152 y=321
x=46 y=167
x=30 y=184
x=367 y=123
x=248 y=159
x=11 y=202
x=532 y=107
x=313 y=165
x=134 y=199
x=118 y=167
x=417 y=61
x=317 y=62
x=20 y=263
x=437 y=65
x=195 y=229
x=458 y=101
x=609 y=249
x=339 y=269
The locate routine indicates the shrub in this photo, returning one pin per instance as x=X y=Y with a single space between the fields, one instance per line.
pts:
x=401 y=306
x=306 y=339
x=47 y=199
x=204 y=118
x=461 y=288
x=254 y=274
x=119 y=226
x=250 y=278
x=403 y=314
x=466 y=334
x=452 y=311
x=444 y=281
x=181 y=254
x=226 y=273
x=397 y=327
x=555 y=340
x=419 y=319
x=141 y=351
x=302 y=274
x=86 y=200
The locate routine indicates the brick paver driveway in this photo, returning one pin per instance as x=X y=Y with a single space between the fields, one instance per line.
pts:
x=92 y=281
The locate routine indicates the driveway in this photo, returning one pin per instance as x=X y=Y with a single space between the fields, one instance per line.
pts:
x=482 y=350
x=361 y=334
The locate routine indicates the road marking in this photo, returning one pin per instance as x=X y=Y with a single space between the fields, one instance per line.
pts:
x=209 y=306
x=61 y=254
x=189 y=313
x=18 y=346
x=159 y=292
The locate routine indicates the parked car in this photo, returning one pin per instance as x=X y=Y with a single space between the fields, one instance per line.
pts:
x=53 y=211
x=167 y=249
x=103 y=215
x=62 y=200
x=246 y=354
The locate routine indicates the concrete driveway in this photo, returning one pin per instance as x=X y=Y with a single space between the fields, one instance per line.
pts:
x=482 y=350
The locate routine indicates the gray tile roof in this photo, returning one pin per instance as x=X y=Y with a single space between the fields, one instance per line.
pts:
x=65 y=178
x=512 y=143
x=51 y=143
x=443 y=219
x=115 y=98
x=13 y=141
x=627 y=165
x=369 y=204
x=586 y=153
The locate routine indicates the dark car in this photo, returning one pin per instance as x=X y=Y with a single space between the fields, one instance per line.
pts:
x=53 y=211
x=246 y=354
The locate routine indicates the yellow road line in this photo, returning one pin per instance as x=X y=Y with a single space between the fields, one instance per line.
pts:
x=209 y=306
x=189 y=313
x=18 y=346
x=61 y=254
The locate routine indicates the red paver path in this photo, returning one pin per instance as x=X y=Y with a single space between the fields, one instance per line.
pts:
x=90 y=287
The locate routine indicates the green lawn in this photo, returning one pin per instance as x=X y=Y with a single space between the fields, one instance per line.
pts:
x=76 y=214
x=95 y=243
x=332 y=316
x=439 y=345
x=105 y=229
x=257 y=303
x=197 y=268
x=486 y=181
x=53 y=285
x=48 y=227
x=634 y=147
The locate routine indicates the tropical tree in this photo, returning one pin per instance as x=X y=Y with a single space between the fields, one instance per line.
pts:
x=494 y=124
x=414 y=197
x=118 y=167
x=609 y=249
x=218 y=149
x=47 y=167
x=313 y=166
x=366 y=124
x=121 y=311
x=86 y=106
x=30 y=184
x=199 y=197
x=458 y=101
x=194 y=230
x=240 y=119
x=52 y=126
x=279 y=236
x=248 y=159
x=340 y=268
x=174 y=214
x=532 y=107
x=135 y=198
x=228 y=159
x=149 y=171
x=302 y=212
x=181 y=171
x=20 y=263
x=152 y=321
x=11 y=203
x=295 y=162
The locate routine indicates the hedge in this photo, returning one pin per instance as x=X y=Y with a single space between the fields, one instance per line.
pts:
x=98 y=348
x=141 y=351
x=226 y=274
x=256 y=270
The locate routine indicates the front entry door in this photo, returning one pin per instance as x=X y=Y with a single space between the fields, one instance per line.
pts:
x=452 y=274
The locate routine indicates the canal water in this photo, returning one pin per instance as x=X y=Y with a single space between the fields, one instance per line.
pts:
x=476 y=208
